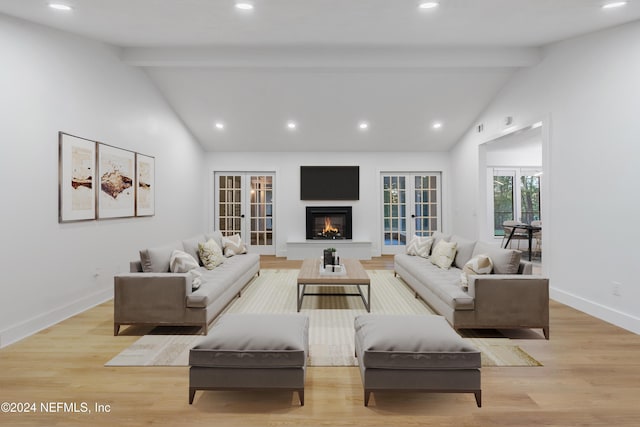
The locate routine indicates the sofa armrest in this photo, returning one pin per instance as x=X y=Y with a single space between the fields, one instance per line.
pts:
x=150 y=297
x=511 y=299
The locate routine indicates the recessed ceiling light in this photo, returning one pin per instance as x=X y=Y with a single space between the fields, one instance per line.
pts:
x=219 y=125
x=363 y=125
x=614 y=4
x=59 y=6
x=244 y=5
x=291 y=125
x=436 y=125
x=429 y=5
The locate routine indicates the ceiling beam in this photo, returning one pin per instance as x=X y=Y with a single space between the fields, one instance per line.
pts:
x=331 y=57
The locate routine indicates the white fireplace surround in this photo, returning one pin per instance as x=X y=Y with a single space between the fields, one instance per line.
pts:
x=313 y=248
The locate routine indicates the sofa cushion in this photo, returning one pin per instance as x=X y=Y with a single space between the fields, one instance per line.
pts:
x=420 y=246
x=412 y=342
x=182 y=262
x=210 y=254
x=464 y=250
x=254 y=341
x=233 y=245
x=210 y=289
x=445 y=284
x=156 y=260
x=505 y=261
x=220 y=279
x=443 y=254
x=191 y=246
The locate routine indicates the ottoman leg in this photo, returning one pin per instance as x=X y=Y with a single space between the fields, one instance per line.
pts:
x=367 y=395
x=478 y=395
x=301 y=396
x=192 y=394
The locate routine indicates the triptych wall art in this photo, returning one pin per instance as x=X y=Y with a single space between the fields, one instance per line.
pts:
x=99 y=181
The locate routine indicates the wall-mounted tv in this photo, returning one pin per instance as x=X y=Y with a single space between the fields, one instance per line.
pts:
x=329 y=182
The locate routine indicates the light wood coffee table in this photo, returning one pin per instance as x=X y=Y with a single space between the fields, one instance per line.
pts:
x=355 y=276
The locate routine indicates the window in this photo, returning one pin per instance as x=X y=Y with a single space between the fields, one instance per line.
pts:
x=515 y=202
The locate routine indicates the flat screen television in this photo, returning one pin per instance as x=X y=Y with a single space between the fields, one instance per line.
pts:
x=329 y=182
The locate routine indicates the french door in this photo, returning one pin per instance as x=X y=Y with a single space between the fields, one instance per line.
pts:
x=244 y=205
x=411 y=206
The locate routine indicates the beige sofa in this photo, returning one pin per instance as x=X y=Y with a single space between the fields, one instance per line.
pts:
x=156 y=296
x=510 y=297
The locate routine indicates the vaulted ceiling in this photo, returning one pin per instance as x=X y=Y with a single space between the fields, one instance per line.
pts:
x=328 y=65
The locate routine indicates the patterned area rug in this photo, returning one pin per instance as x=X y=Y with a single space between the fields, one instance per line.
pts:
x=331 y=333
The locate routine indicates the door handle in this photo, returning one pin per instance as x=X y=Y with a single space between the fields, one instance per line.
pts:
x=413 y=216
x=241 y=215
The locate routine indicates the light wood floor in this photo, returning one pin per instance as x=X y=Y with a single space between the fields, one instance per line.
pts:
x=591 y=377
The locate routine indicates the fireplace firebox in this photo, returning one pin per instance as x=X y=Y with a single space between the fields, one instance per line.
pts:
x=329 y=222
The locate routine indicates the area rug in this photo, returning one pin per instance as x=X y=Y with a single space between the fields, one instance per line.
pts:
x=331 y=333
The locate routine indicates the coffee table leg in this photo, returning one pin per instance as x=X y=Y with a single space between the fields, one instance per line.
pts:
x=367 y=302
x=300 y=295
x=369 y=297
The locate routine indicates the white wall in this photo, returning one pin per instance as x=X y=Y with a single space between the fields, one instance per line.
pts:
x=521 y=150
x=49 y=82
x=290 y=210
x=588 y=93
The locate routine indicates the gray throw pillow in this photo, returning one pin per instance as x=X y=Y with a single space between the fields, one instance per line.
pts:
x=156 y=260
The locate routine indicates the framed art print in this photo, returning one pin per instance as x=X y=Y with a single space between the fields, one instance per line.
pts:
x=76 y=178
x=116 y=172
x=145 y=185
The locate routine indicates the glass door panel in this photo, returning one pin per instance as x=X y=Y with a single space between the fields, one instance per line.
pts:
x=425 y=218
x=230 y=204
x=261 y=202
x=394 y=207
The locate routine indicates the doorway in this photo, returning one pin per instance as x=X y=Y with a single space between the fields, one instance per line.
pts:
x=411 y=205
x=244 y=204
x=521 y=158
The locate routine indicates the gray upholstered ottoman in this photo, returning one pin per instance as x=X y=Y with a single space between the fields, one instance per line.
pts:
x=414 y=353
x=252 y=352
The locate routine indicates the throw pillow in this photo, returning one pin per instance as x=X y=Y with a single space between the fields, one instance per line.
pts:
x=420 y=246
x=196 y=279
x=479 y=264
x=443 y=254
x=157 y=260
x=233 y=245
x=210 y=254
x=182 y=262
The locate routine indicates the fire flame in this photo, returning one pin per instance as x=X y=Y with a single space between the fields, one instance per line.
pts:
x=328 y=227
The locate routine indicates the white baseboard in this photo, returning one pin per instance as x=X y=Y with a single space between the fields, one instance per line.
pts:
x=29 y=327
x=608 y=314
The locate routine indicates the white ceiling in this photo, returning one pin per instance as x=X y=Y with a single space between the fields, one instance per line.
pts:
x=328 y=63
